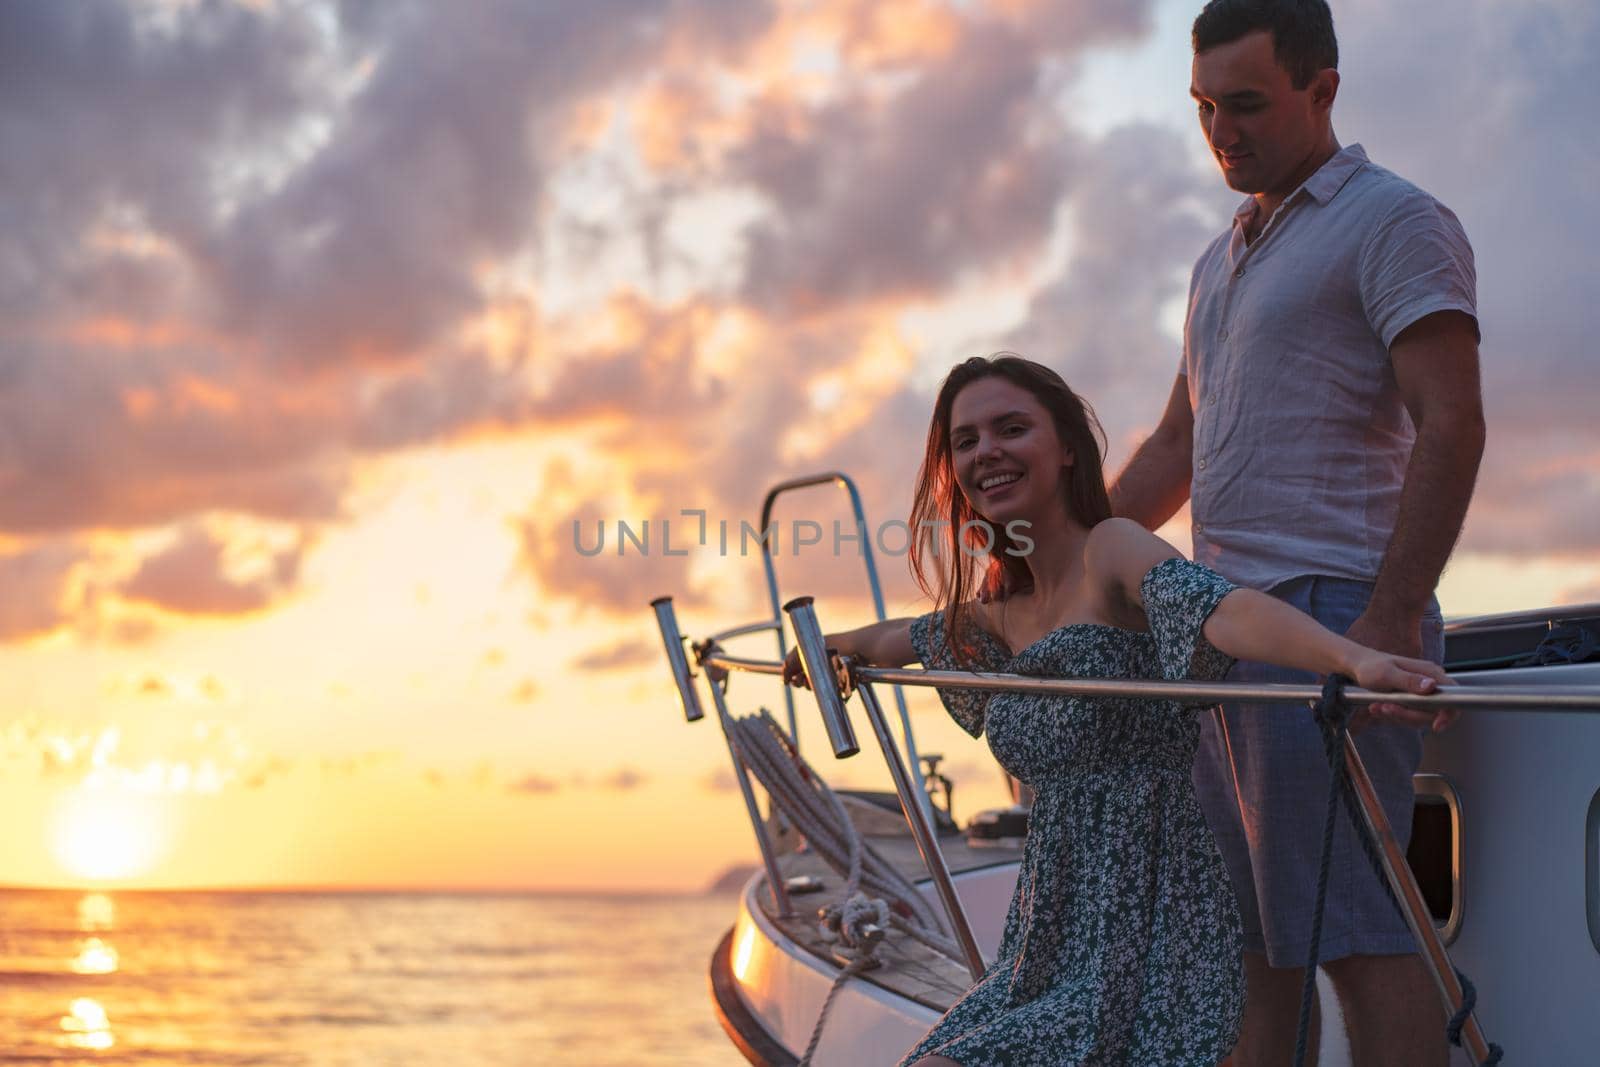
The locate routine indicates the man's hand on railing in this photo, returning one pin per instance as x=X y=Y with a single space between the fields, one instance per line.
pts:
x=1384 y=672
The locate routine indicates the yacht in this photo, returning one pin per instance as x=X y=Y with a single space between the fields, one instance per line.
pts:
x=871 y=913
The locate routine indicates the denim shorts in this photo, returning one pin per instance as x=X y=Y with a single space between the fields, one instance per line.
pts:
x=1262 y=778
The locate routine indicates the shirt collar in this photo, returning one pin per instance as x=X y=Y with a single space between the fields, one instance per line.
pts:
x=1325 y=184
x=1322 y=186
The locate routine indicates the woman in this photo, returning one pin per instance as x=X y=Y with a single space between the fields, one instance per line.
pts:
x=1121 y=945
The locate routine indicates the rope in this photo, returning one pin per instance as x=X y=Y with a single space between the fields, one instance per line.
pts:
x=816 y=812
x=855 y=967
x=1333 y=718
x=864 y=913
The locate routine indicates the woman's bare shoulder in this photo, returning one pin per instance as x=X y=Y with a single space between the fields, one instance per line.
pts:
x=1116 y=557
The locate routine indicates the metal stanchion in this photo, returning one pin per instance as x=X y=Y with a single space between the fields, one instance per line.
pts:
x=922 y=830
x=1416 y=913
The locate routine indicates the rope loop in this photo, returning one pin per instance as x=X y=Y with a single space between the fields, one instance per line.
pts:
x=1469 y=1000
x=1333 y=718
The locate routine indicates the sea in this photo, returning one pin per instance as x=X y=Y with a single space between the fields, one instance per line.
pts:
x=369 y=979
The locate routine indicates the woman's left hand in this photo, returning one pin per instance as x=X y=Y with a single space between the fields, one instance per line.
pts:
x=1386 y=673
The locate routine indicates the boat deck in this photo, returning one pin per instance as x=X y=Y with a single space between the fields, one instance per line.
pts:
x=909 y=968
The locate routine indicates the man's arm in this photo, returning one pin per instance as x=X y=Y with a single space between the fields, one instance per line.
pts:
x=1436 y=365
x=1155 y=482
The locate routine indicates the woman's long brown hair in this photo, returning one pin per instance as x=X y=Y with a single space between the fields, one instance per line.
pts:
x=958 y=569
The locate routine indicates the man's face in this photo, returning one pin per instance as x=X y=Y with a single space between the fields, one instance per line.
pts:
x=1260 y=127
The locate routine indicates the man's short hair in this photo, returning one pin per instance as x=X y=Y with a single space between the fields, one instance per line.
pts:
x=1302 y=32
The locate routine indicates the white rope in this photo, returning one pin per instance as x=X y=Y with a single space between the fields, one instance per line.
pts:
x=863 y=915
x=819 y=816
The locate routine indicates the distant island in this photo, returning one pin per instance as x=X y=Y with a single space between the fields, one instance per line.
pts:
x=731 y=880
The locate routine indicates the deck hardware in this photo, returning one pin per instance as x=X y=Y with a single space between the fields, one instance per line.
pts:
x=667 y=619
x=819 y=667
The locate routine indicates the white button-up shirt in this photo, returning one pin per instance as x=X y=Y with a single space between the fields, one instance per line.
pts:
x=1301 y=439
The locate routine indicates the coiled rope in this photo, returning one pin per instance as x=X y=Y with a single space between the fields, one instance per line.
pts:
x=1332 y=713
x=876 y=896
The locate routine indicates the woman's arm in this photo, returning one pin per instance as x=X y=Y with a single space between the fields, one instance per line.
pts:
x=1253 y=626
x=881 y=644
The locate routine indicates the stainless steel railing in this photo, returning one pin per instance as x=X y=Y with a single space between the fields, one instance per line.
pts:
x=833 y=680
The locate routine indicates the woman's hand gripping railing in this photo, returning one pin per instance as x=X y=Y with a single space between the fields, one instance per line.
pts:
x=832 y=686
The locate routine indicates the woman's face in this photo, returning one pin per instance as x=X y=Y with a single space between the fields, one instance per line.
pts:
x=1007 y=456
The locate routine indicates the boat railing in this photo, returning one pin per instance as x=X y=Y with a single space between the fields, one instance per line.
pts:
x=833 y=680
x=858 y=515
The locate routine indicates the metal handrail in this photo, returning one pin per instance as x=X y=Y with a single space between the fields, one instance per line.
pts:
x=763 y=626
x=1561 y=698
x=1557 y=698
x=859 y=514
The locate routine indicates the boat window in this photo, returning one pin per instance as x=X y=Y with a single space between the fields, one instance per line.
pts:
x=1591 y=868
x=1435 y=850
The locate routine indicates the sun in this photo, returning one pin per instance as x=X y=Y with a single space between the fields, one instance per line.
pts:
x=107 y=834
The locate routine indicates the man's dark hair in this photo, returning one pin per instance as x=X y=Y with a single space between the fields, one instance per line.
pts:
x=1302 y=32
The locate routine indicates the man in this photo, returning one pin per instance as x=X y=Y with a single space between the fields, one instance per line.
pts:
x=1326 y=425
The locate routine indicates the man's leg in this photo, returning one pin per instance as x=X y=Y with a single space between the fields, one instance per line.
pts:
x=1280 y=779
x=1391 y=1009
x=1272 y=1016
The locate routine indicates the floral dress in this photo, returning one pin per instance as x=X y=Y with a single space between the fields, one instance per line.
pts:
x=1121 y=945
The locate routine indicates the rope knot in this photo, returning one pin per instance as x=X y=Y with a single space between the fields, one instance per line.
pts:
x=1332 y=711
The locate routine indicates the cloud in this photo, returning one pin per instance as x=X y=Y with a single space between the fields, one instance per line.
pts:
x=623 y=780
x=629 y=653
x=253 y=246
x=153 y=685
x=1493 y=94
x=1139 y=216
x=557 y=543
x=244 y=239
x=171 y=438
x=371 y=247
x=37 y=589
x=192 y=577
x=719 y=780
x=534 y=785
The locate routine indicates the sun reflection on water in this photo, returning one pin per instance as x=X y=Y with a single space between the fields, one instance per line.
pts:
x=86 y=1025
x=96 y=912
x=94 y=957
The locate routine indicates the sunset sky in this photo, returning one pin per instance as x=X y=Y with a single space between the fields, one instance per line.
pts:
x=324 y=322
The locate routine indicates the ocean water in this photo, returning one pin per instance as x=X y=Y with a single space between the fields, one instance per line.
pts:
x=370 y=979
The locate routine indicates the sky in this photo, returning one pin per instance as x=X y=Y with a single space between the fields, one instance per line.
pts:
x=334 y=332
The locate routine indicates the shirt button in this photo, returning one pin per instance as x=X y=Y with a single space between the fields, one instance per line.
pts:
x=1199 y=528
x=1201 y=464
x=1223 y=335
x=1239 y=273
x=1211 y=402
